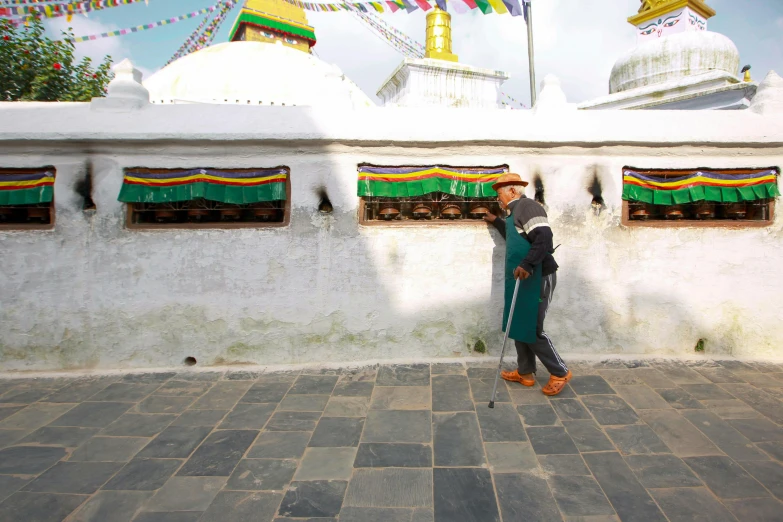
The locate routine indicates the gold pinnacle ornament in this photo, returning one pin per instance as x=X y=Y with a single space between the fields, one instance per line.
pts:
x=439 y=36
x=652 y=9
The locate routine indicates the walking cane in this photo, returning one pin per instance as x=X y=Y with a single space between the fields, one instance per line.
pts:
x=505 y=339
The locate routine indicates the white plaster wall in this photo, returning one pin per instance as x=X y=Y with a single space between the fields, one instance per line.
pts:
x=324 y=289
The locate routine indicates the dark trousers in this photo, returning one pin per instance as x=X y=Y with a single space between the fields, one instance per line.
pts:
x=543 y=347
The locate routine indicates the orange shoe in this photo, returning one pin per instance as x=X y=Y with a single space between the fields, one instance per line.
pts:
x=556 y=384
x=514 y=376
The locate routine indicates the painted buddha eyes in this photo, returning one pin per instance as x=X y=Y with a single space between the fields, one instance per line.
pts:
x=650 y=30
x=671 y=23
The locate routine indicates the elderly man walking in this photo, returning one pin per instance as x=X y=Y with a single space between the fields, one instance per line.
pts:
x=528 y=257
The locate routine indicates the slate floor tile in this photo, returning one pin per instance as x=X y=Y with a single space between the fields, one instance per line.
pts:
x=304 y=403
x=624 y=377
x=628 y=497
x=390 y=455
x=218 y=454
x=579 y=496
x=244 y=375
x=704 y=392
x=501 y=424
x=347 y=407
x=538 y=414
x=80 y=390
x=451 y=393
x=481 y=391
x=610 y=409
x=284 y=376
x=774 y=449
x=317 y=498
x=198 y=376
x=34 y=416
x=139 y=425
x=681 y=374
x=262 y=474
x=680 y=399
x=353 y=389
x=325 y=464
x=725 y=477
x=200 y=418
x=148 y=377
x=720 y=432
x=39 y=507
x=758 y=399
x=7 y=411
x=457 y=439
x=92 y=414
x=164 y=404
x=756 y=509
x=68 y=437
x=124 y=392
x=314 y=385
x=642 y=397
x=525 y=497
x=678 y=434
x=518 y=394
x=590 y=385
x=246 y=416
x=25 y=396
x=79 y=478
x=480 y=372
x=637 y=440
x=337 y=432
x=563 y=465
x=588 y=436
x=186 y=494
x=691 y=505
x=654 y=378
x=364 y=514
x=175 y=442
x=10 y=437
x=243 y=506
x=184 y=388
x=365 y=374
x=170 y=516
x=731 y=410
x=551 y=440
x=404 y=375
x=570 y=409
x=398 y=426
x=29 y=460
x=758 y=430
x=511 y=457
x=223 y=395
x=280 y=445
x=662 y=471
x=463 y=494
x=266 y=392
x=718 y=375
x=109 y=449
x=390 y=487
x=769 y=473
x=10 y=485
x=293 y=421
x=143 y=475
x=448 y=369
x=111 y=506
x=401 y=398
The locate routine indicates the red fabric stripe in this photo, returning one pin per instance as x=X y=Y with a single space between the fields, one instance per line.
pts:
x=698 y=184
x=23 y=187
x=471 y=4
x=427 y=176
x=424 y=5
x=174 y=183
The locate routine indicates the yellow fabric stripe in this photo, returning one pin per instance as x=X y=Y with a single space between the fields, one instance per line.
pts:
x=691 y=181
x=32 y=183
x=203 y=177
x=410 y=175
x=498 y=6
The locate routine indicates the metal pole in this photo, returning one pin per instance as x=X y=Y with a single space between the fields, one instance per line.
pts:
x=505 y=339
x=530 y=58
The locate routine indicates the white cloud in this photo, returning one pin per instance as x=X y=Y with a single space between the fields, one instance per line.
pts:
x=95 y=49
x=578 y=44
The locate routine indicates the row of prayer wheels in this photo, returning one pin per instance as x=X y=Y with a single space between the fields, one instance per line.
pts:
x=429 y=210
x=704 y=211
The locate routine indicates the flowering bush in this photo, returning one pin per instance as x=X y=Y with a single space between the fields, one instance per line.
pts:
x=36 y=68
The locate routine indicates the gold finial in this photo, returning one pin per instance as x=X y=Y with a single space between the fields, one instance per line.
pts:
x=747 y=77
x=652 y=9
x=439 y=36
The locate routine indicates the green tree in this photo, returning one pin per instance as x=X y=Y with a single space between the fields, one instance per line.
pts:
x=35 y=68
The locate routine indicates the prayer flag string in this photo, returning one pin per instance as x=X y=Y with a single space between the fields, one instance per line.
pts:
x=512 y=7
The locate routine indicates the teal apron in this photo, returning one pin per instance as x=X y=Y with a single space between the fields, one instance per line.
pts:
x=523 y=324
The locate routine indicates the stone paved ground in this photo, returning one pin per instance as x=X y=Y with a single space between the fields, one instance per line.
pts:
x=627 y=441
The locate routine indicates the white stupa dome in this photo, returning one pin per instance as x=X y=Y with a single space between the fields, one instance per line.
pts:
x=255 y=73
x=675 y=56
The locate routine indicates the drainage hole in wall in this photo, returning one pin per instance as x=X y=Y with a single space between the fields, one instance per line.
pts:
x=190 y=361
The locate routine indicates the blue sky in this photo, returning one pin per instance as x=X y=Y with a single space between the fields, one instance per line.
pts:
x=577 y=40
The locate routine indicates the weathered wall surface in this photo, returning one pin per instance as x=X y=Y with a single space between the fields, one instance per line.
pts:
x=93 y=294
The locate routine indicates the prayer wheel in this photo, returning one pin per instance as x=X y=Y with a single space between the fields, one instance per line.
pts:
x=736 y=210
x=477 y=211
x=198 y=214
x=674 y=212
x=705 y=210
x=230 y=214
x=389 y=212
x=164 y=216
x=423 y=211
x=40 y=214
x=641 y=211
x=451 y=211
x=264 y=214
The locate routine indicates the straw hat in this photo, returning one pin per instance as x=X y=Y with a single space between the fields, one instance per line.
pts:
x=508 y=179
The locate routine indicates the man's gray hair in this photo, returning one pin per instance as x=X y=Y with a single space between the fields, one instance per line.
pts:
x=519 y=189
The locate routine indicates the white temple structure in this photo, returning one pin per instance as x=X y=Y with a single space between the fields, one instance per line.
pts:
x=677 y=63
x=156 y=237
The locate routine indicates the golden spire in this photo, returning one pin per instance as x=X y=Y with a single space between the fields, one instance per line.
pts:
x=439 y=36
x=651 y=9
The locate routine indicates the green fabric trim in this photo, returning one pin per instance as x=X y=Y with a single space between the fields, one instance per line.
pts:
x=484 y=6
x=31 y=196
x=214 y=192
x=405 y=189
x=694 y=194
x=246 y=17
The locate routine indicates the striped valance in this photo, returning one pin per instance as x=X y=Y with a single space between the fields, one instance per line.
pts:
x=226 y=186
x=26 y=187
x=403 y=182
x=702 y=185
